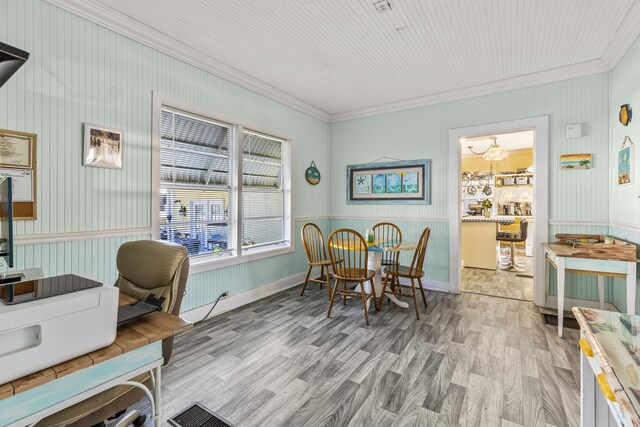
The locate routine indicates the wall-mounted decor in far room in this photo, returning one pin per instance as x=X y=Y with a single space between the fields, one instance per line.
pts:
x=626 y=162
x=102 y=147
x=576 y=161
x=402 y=182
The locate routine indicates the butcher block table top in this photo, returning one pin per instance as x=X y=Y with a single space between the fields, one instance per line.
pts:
x=146 y=330
x=570 y=245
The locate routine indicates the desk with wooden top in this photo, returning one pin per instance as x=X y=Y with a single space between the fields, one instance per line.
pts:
x=137 y=349
x=593 y=258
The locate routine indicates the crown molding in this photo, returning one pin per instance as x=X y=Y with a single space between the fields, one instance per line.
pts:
x=627 y=34
x=519 y=82
x=113 y=20
x=122 y=24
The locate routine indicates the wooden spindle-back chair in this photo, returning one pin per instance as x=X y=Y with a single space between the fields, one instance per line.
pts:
x=414 y=272
x=349 y=256
x=313 y=242
x=388 y=232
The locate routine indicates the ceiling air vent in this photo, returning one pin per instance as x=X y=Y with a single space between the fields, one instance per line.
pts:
x=382 y=6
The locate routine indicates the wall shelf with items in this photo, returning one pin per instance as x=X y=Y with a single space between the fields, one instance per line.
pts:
x=514 y=180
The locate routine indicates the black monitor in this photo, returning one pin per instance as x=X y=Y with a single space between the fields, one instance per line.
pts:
x=6 y=221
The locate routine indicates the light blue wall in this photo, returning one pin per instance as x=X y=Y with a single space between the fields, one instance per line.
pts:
x=80 y=72
x=423 y=133
x=625 y=200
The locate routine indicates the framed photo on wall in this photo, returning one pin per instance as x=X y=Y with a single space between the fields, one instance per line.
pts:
x=626 y=162
x=402 y=182
x=102 y=147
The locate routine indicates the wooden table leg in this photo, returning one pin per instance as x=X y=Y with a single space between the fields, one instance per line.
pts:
x=631 y=287
x=560 y=292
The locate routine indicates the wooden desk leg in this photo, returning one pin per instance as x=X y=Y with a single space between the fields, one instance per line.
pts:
x=560 y=292
x=601 y=291
x=631 y=287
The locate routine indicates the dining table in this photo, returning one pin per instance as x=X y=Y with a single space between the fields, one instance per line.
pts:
x=374 y=262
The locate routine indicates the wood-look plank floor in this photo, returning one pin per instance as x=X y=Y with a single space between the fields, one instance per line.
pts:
x=501 y=283
x=472 y=360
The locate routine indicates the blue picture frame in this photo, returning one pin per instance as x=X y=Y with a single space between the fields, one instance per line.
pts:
x=401 y=182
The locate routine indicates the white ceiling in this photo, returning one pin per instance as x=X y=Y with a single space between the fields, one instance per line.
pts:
x=508 y=141
x=337 y=59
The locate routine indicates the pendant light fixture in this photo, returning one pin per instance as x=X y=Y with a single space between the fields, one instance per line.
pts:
x=494 y=153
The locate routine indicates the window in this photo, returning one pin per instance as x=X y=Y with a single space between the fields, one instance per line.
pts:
x=195 y=183
x=262 y=190
x=224 y=190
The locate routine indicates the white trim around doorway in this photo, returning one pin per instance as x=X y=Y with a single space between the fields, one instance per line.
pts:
x=540 y=126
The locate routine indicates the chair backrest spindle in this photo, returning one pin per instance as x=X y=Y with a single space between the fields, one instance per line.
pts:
x=388 y=232
x=313 y=242
x=417 y=263
x=348 y=252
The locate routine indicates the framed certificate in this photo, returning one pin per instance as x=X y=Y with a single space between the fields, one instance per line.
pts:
x=19 y=160
x=16 y=149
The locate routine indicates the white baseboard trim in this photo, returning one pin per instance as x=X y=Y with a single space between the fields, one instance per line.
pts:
x=234 y=301
x=238 y=300
x=552 y=302
x=435 y=285
x=430 y=285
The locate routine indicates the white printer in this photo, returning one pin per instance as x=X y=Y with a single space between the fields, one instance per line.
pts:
x=47 y=321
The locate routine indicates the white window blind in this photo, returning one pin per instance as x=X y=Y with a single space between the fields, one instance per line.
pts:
x=262 y=190
x=195 y=183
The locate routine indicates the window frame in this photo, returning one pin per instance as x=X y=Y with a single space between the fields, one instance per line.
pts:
x=206 y=262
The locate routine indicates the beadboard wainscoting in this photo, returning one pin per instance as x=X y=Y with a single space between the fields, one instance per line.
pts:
x=423 y=133
x=625 y=199
x=437 y=260
x=630 y=233
x=80 y=72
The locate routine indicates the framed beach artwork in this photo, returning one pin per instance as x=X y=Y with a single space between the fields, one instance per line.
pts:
x=576 y=161
x=402 y=182
x=626 y=162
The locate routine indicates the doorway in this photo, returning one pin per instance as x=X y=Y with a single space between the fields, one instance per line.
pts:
x=497 y=184
x=481 y=138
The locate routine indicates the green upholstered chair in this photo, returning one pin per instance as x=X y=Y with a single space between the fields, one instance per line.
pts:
x=145 y=267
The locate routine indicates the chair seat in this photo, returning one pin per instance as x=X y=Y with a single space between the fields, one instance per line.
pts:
x=354 y=274
x=320 y=262
x=402 y=271
x=509 y=237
